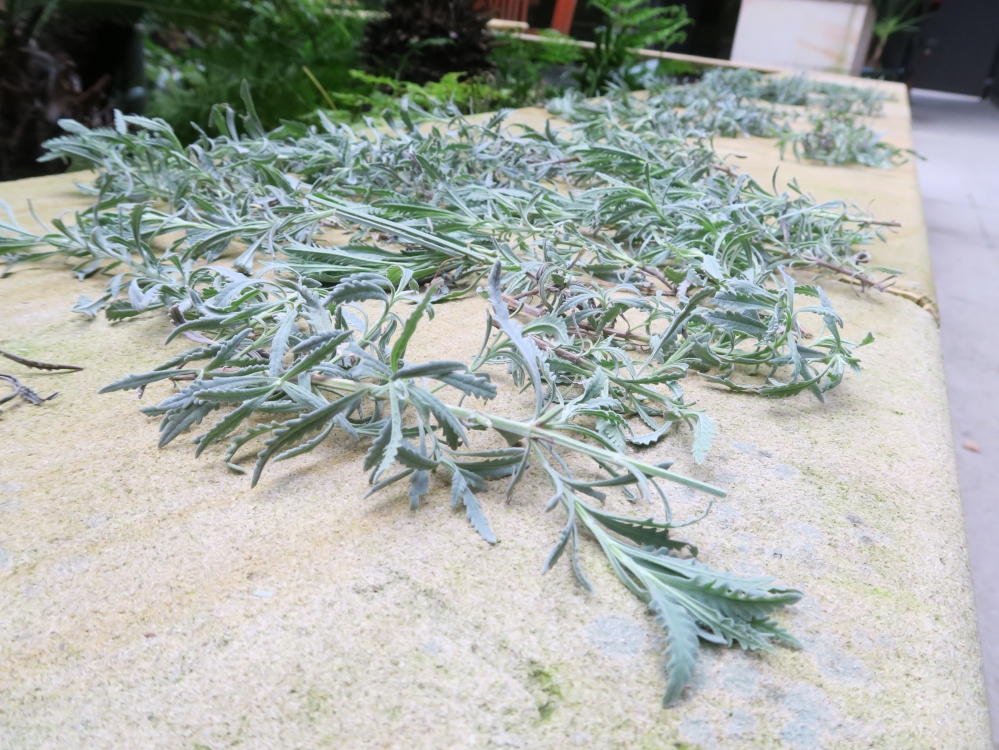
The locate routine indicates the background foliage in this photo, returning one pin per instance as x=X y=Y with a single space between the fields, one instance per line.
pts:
x=193 y=66
x=175 y=59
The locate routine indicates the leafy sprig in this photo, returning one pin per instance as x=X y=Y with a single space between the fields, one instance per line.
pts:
x=819 y=121
x=311 y=381
x=620 y=256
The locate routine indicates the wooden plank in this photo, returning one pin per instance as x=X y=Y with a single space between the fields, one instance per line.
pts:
x=565 y=11
x=649 y=54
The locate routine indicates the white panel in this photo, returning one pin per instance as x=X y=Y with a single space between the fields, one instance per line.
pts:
x=810 y=34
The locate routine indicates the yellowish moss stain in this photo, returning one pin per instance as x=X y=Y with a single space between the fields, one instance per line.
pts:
x=550 y=693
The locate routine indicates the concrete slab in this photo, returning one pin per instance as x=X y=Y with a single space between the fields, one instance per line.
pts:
x=152 y=600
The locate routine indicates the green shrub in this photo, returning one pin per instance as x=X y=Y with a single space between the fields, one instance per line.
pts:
x=424 y=40
x=521 y=66
x=630 y=25
x=265 y=43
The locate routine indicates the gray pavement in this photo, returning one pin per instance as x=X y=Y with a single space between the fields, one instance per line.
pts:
x=959 y=136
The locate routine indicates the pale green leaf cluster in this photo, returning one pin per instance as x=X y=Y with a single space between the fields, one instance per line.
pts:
x=619 y=256
x=819 y=121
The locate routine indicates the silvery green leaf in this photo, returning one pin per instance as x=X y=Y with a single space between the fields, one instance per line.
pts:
x=647 y=533
x=317 y=315
x=307 y=445
x=244 y=263
x=377 y=449
x=140 y=381
x=409 y=456
x=735 y=322
x=808 y=353
x=119 y=309
x=471 y=384
x=226 y=425
x=600 y=404
x=312 y=342
x=212 y=322
x=548 y=325
x=141 y=300
x=527 y=347
x=742 y=303
x=454 y=433
x=649 y=438
x=704 y=434
x=462 y=495
x=225 y=351
x=89 y=307
x=681 y=638
x=710 y=264
x=190 y=355
x=304 y=397
x=388 y=446
x=771 y=628
x=340 y=421
x=279 y=344
x=237 y=283
x=730 y=612
x=179 y=420
x=399 y=348
x=577 y=566
x=612 y=430
x=357 y=289
x=559 y=548
x=320 y=352
x=595 y=387
x=419 y=486
x=378 y=486
x=435 y=369
x=229 y=389
x=294 y=430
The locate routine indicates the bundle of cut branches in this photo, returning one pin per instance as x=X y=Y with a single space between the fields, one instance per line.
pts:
x=619 y=256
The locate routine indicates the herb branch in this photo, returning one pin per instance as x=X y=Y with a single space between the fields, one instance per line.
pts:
x=619 y=254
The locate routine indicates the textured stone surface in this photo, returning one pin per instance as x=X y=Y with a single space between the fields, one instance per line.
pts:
x=960 y=184
x=152 y=600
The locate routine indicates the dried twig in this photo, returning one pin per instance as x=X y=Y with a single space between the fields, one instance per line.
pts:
x=34 y=363
x=20 y=389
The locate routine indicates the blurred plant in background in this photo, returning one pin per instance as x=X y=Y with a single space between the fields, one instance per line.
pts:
x=631 y=25
x=893 y=17
x=533 y=72
x=350 y=60
x=424 y=40
x=192 y=66
x=519 y=78
x=380 y=95
x=176 y=59
x=57 y=60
